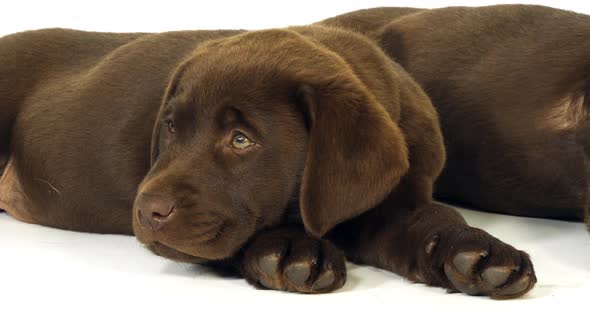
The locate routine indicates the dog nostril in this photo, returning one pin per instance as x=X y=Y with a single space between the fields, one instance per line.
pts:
x=154 y=210
x=159 y=216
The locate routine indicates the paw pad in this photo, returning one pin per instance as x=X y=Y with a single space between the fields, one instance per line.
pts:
x=300 y=263
x=475 y=273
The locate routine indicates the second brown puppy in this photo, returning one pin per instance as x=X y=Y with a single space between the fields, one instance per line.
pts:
x=512 y=86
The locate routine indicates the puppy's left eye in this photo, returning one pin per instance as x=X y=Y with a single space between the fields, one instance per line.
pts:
x=240 y=141
x=170 y=126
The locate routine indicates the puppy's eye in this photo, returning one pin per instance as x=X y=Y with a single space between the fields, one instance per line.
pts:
x=241 y=141
x=170 y=126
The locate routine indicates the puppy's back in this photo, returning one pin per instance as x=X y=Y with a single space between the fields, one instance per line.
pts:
x=511 y=84
x=32 y=56
x=368 y=21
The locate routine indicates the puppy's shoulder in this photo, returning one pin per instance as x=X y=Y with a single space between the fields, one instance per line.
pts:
x=356 y=49
x=334 y=37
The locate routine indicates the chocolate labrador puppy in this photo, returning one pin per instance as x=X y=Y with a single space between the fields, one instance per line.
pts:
x=278 y=152
x=512 y=86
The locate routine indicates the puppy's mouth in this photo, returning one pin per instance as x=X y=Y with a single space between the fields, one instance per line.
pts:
x=189 y=233
x=207 y=241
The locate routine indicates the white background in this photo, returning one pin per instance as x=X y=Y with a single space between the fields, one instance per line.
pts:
x=43 y=269
x=152 y=16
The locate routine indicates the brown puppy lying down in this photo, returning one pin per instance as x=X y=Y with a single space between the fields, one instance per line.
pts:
x=278 y=152
x=512 y=86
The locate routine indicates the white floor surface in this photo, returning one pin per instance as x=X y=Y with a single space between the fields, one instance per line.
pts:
x=67 y=271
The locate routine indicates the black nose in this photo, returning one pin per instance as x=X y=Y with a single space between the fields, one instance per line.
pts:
x=154 y=210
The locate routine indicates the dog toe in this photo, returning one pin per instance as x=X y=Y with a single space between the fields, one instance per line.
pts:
x=476 y=263
x=294 y=261
x=298 y=273
x=496 y=276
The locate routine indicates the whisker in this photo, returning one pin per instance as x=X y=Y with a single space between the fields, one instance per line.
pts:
x=51 y=186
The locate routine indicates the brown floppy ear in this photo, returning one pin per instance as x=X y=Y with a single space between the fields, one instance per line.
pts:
x=168 y=93
x=356 y=154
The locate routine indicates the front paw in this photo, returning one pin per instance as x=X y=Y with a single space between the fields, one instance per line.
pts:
x=289 y=259
x=476 y=263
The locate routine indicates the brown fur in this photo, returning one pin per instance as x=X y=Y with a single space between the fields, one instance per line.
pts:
x=141 y=133
x=511 y=84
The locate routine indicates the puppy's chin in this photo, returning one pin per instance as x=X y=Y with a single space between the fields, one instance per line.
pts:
x=191 y=245
x=173 y=254
x=195 y=253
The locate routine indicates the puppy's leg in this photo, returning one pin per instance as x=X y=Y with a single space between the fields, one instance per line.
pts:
x=583 y=138
x=288 y=259
x=3 y=161
x=2 y=166
x=5 y=126
x=12 y=197
x=433 y=245
x=428 y=242
x=7 y=115
x=5 y=133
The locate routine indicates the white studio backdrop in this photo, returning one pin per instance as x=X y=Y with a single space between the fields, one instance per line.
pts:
x=67 y=271
x=165 y=15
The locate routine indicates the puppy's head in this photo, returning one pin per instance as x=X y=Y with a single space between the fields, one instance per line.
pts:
x=252 y=125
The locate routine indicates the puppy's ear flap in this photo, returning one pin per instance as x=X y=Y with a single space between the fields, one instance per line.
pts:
x=171 y=90
x=356 y=153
